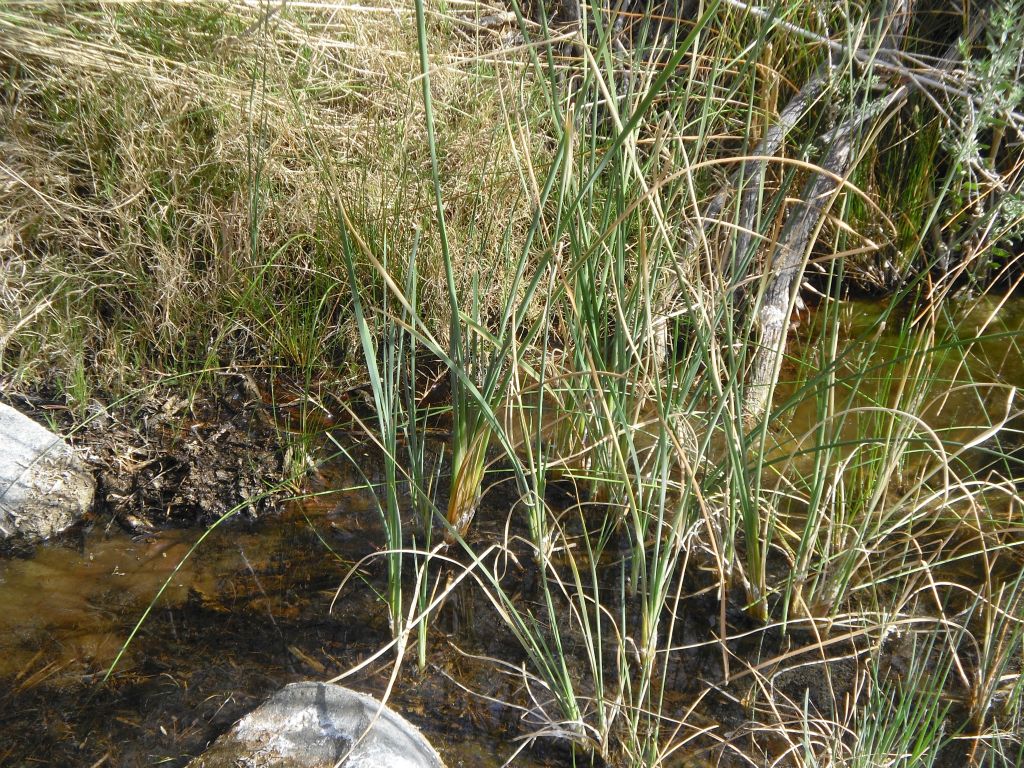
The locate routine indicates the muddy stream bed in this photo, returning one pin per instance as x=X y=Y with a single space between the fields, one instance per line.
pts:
x=247 y=613
x=250 y=610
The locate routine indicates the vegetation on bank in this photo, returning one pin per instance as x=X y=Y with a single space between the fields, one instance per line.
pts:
x=600 y=224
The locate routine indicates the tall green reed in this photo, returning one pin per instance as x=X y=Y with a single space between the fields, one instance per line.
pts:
x=664 y=451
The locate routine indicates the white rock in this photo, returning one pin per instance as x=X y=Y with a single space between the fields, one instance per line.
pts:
x=44 y=486
x=320 y=725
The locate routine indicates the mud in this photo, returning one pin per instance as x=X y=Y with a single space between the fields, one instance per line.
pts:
x=172 y=458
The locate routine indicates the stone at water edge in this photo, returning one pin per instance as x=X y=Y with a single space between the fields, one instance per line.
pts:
x=44 y=486
x=316 y=725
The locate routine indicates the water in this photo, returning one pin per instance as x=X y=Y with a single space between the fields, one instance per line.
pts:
x=973 y=361
x=249 y=611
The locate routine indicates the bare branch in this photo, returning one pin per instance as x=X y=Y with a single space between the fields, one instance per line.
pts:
x=791 y=254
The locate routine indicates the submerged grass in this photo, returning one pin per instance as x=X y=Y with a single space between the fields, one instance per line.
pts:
x=587 y=221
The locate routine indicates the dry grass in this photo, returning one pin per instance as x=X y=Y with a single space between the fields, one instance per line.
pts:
x=166 y=201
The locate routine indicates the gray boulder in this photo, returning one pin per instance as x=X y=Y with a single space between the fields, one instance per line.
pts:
x=44 y=486
x=320 y=725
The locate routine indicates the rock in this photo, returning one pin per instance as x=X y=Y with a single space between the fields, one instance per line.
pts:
x=44 y=486
x=320 y=725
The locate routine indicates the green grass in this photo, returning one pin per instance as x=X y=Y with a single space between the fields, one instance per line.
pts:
x=356 y=196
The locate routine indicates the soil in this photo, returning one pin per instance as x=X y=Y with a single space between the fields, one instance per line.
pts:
x=167 y=459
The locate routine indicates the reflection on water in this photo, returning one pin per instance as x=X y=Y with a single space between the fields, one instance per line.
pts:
x=971 y=363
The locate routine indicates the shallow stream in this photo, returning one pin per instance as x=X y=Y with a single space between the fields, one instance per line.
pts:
x=249 y=611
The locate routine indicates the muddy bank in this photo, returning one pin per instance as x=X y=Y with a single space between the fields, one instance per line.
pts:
x=171 y=458
x=245 y=613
